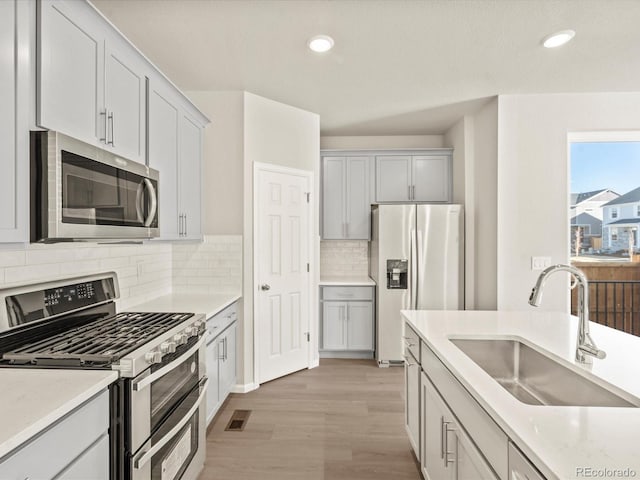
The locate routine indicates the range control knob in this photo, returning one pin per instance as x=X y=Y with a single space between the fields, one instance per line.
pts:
x=199 y=326
x=168 y=347
x=190 y=331
x=180 y=338
x=153 y=357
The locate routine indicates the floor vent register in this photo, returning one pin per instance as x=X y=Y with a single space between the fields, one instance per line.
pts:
x=238 y=420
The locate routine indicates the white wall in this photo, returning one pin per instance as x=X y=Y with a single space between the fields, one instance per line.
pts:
x=280 y=134
x=533 y=183
x=381 y=142
x=460 y=137
x=222 y=162
x=482 y=194
x=283 y=135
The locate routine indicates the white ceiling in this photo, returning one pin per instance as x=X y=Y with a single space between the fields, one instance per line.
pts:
x=399 y=67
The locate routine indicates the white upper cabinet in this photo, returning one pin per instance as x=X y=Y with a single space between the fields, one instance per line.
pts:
x=96 y=94
x=70 y=69
x=124 y=101
x=431 y=178
x=164 y=118
x=175 y=149
x=14 y=119
x=190 y=177
x=346 y=198
x=393 y=179
x=420 y=176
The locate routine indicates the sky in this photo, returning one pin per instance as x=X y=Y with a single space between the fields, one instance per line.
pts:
x=598 y=165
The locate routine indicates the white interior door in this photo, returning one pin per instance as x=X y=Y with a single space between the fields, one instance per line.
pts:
x=281 y=248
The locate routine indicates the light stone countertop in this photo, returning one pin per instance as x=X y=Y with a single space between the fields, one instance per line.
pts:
x=33 y=399
x=207 y=303
x=352 y=281
x=558 y=440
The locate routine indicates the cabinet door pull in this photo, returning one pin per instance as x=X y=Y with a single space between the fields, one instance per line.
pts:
x=446 y=451
x=185 y=225
x=413 y=192
x=111 y=121
x=103 y=139
x=408 y=362
x=409 y=191
x=442 y=437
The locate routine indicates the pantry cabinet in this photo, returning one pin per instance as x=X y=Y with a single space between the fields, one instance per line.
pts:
x=16 y=52
x=97 y=94
x=414 y=177
x=346 y=198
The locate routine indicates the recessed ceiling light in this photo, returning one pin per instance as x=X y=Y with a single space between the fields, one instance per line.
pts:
x=321 y=43
x=557 y=39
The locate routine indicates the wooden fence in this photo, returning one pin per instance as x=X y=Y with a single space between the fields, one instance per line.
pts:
x=614 y=294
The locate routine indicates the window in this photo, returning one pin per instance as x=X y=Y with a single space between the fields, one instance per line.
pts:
x=638 y=211
x=614 y=236
x=614 y=212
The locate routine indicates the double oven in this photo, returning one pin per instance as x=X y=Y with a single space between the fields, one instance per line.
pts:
x=158 y=405
x=167 y=415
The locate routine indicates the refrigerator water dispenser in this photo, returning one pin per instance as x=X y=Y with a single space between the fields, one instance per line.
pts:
x=397 y=274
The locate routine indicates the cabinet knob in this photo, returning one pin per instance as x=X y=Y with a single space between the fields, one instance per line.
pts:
x=265 y=287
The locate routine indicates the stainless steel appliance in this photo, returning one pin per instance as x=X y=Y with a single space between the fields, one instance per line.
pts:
x=158 y=407
x=416 y=259
x=79 y=191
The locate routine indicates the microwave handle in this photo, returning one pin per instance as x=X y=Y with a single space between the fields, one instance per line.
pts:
x=145 y=456
x=154 y=203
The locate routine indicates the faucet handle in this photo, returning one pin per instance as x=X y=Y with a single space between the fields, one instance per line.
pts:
x=593 y=351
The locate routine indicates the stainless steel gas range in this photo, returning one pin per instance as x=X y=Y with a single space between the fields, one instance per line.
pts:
x=157 y=407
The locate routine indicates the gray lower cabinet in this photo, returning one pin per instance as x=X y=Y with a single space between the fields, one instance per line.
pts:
x=221 y=358
x=347 y=322
x=76 y=447
x=458 y=439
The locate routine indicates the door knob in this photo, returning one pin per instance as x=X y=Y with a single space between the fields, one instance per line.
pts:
x=265 y=287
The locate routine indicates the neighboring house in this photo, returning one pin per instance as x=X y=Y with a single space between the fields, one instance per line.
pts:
x=586 y=213
x=621 y=218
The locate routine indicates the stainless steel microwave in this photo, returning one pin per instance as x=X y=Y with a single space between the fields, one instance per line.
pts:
x=79 y=191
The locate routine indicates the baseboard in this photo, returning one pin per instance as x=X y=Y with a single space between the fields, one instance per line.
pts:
x=244 y=387
x=345 y=354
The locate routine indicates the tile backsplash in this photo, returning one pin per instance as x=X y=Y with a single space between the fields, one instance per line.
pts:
x=214 y=265
x=144 y=271
x=343 y=258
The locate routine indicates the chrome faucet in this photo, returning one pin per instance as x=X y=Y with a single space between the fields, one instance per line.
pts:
x=586 y=347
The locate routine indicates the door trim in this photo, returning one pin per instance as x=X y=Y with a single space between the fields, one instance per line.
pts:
x=312 y=313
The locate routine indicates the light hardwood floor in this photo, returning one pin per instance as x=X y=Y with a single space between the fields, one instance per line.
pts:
x=343 y=420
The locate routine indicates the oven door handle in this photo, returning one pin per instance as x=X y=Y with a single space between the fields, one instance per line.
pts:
x=149 y=379
x=145 y=456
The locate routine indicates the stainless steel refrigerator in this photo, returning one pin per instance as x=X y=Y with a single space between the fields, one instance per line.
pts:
x=417 y=261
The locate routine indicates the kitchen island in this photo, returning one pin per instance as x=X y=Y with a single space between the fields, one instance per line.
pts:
x=562 y=442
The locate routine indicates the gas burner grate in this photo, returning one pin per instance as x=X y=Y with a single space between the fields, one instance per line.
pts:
x=98 y=343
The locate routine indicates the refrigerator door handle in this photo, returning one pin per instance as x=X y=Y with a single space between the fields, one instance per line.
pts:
x=413 y=267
